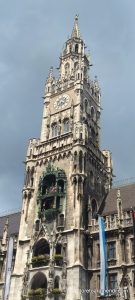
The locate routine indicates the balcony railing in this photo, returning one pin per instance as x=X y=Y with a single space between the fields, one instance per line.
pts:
x=110 y=223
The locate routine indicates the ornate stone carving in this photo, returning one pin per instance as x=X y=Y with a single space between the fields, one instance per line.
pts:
x=25 y=279
x=51 y=269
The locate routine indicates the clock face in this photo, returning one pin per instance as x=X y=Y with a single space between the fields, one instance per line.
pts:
x=61 y=102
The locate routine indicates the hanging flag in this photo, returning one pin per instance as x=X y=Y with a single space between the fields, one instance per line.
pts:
x=102 y=256
x=8 y=268
x=133 y=214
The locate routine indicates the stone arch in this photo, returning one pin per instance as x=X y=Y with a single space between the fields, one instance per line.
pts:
x=39 y=280
x=41 y=247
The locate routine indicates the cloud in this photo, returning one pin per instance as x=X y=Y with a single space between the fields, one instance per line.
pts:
x=32 y=34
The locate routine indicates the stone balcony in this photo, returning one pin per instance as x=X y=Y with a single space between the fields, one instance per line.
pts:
x=111 y=223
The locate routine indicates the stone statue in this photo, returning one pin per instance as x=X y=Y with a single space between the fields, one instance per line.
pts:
x=126 y=295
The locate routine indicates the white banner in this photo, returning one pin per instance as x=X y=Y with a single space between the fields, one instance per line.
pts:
x=8 y=268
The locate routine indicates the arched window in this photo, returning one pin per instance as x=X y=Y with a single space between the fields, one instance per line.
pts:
x=67 y=68
x=85 y=72
x=86 y=105
x=58 y=249
x=85 y=162
x=37 y=225
x=27 y=179
x=39 y=281
x=80 y=185
x=56 y=282
x=76 y=65
x=76 y=48
x=92 y=112
x=54 y=130
x=80 y=161
x=60 y=186
x=91 y=178
x=66 y=125
x=93 y=133
x=49 y=184
x=61 y=220
x=94 y=208
x=32 y=176
x=41 y=248
x=75 y=161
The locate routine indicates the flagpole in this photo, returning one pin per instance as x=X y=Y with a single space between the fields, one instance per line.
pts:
x=102 y=256
x=133 y=219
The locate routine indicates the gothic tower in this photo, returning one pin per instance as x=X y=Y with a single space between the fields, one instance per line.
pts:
x=67 y=180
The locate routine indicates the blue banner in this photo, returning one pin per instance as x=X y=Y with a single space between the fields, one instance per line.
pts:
x=102 y=256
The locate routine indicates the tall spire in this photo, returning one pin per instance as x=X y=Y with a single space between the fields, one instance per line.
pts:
x=75 y=31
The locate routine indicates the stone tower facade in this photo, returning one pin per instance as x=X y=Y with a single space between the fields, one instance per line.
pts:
x=67 y=179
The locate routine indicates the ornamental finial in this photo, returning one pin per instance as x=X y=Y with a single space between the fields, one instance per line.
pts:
x=75 y=31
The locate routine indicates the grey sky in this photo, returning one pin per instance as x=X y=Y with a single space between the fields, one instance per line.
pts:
x=32 y=34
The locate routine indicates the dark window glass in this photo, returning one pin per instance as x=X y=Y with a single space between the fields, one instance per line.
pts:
x=66 y=126
x=112 y=281
x=111 y=250
x=134 y=279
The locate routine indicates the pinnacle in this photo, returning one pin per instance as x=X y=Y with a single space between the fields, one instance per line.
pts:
x=75 y=31
x=51 y=75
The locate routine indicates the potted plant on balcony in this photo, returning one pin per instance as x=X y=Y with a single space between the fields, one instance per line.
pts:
x=40 y=260
x=38 y=292
x=58 y=259
x=56 y=291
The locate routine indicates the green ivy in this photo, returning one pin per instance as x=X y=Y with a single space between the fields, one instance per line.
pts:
x=50 y=214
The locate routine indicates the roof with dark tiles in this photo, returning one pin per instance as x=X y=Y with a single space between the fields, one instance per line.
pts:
x=127 y=193
x=13 y=223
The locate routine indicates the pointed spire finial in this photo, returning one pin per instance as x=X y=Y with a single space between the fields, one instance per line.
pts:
x=51 y=75
x=76 y=31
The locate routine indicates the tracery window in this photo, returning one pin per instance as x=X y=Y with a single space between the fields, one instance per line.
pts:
x=94 y=208
x=67 y=68
x=76 y=48
x=80 y=161
x=113 y=281
x=111 y=250
x=54 y=130
x=66 y=125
